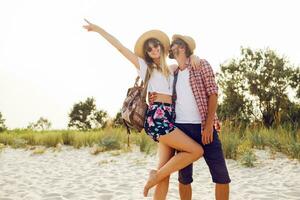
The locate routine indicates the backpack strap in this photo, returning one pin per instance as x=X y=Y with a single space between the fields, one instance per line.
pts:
x=128 y=132
x=136 y=81
x=145 y=84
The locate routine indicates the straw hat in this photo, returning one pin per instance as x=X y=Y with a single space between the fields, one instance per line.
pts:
x=187 y=39
x=159 y=35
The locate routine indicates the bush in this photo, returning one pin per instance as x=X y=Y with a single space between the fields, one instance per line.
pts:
x=146 y=144
x=245 y=154
x=19 y=143
x=230 y=142
x=256 y=138
x=110 y=143
x=294 y=150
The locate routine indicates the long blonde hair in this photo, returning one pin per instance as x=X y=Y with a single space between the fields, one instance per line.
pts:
x=163 y=68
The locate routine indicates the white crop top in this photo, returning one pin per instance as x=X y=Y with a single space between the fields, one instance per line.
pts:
x=158 y=82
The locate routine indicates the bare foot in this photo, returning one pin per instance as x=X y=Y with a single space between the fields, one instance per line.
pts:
x=151 y=182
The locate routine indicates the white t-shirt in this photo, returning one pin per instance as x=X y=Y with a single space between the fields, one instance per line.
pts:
x=186 y=108
x=157 y=82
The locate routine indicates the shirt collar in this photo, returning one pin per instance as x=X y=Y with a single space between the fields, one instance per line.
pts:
x=188 y=63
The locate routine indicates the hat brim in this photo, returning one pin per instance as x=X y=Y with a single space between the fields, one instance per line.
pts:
x=157 y=34
x=190 y=41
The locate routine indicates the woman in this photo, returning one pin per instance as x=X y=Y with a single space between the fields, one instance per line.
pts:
x=150 y=54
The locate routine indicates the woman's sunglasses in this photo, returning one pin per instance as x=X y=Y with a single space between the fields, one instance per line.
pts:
x=154 y=46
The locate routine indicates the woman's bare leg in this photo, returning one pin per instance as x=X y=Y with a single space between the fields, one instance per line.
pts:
x=165 y=154
x=190 y=151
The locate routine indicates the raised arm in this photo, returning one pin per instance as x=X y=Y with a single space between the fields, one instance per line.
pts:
x=113 y=41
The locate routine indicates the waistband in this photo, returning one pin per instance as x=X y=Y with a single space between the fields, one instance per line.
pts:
x=162 y=103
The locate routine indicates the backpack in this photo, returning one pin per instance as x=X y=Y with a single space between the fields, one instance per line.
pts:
x=135 y=107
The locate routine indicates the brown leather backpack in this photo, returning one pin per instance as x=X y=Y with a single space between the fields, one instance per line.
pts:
x=135 y=107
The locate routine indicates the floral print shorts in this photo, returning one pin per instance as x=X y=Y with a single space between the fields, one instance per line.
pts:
x=160 y=120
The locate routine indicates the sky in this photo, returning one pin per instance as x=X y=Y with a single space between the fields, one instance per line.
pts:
x=48 y=62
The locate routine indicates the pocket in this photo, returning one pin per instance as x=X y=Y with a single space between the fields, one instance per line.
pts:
x=216 y=140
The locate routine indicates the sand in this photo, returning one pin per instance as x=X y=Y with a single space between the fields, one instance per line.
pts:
x=76 y=174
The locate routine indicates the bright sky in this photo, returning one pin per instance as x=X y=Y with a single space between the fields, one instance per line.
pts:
x=48 y=61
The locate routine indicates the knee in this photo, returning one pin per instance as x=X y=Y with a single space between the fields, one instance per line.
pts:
x=198 y=152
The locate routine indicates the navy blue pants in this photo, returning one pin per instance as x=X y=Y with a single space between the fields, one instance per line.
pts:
x=213 y=155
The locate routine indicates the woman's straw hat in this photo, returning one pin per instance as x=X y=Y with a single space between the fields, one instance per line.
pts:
x=156 y=34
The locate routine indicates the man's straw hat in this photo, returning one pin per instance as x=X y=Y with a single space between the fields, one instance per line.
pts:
x=187 y=39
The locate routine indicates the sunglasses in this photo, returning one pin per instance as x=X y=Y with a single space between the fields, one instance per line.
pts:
x=154 y=46
x=177 y=42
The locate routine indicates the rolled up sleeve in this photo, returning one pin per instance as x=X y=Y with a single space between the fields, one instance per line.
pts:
x=209 y=80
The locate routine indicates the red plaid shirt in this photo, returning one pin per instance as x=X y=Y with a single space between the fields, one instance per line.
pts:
x=203 y=85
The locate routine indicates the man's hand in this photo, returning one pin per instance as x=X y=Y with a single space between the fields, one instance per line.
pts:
x=152 y=97
x=195 y=62
x=207 y=135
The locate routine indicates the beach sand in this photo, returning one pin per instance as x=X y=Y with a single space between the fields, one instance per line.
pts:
x=76 y=174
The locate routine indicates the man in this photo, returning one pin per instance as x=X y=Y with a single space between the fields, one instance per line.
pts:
x=195 y=95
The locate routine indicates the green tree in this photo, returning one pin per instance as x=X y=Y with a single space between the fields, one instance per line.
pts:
x=85 y=116
x=295 y=82
x=256 y=85
x=41 y=124
x=235 y=106
x=118 y=121
x=2 y=123
x=291 y=115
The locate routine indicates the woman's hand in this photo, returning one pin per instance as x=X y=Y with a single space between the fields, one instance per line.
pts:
x=113 y=41
x=195 y=62
x=90 y=26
